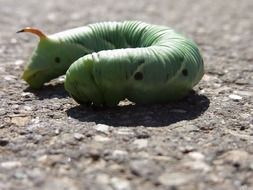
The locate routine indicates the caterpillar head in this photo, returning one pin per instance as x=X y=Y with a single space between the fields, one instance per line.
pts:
x=50 y=59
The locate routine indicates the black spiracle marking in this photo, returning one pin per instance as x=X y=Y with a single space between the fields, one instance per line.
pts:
x=185 y=72
x=57 y=59
x=138 y=76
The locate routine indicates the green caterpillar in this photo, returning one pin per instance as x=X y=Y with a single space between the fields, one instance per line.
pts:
x=110 y=61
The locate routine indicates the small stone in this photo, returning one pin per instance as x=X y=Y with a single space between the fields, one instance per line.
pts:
x=120 y=184
x=141 y=143
x=61 y=78
x=11 y=164
x=95 y=154
x=57 y=131
x=187 y=128
x=123 y=131
x=89 y=133
x=14 y=41
x=2 y=111
x=66 y=138
x=197 y=165
x=102 y=179
x=142 y=134
x=78 y=136
x=15 y=106
x=235 y=97
x=119 y=155
x=38 y=175
x=100 y=138
x=50 y=160
x=9 y=77
x=186 y=149
x=126 y=103
x=238 y=158
x=27 y=108
x=59 y=183
x=20 y=175
x=244 y=93
x=145 y=168
x=26 y=94
x=175 y=179
x=43 y=159
x=36 y=120
x=196 y=156
x=20 y=120
x=117 y=168
x=102 y=128
x=245 y=116
x=19 y=62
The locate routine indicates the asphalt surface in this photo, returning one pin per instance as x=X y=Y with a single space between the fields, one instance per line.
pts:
x=204 y=142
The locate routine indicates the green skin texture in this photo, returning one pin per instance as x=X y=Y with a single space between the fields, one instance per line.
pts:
x=108 y=62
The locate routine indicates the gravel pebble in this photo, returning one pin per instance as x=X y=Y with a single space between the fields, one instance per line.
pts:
x=197 y=165
x=27 y=94
x=103 y=179
x=100 y=138
x=235 y=97
x=20 y=120
x=175 y=179
x=196 y=155
x=124 y=131
x=119 y=155
x=145 y=168
x=237 y=158
x=140 y=143
x=120 y=184
x=10 y=164
x=102 y=128
x=60 y=183
x=78 y=136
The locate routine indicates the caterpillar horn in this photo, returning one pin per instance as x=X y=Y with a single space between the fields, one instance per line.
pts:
x=35 y=31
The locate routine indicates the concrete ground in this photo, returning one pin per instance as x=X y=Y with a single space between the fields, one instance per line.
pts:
x=204 y=142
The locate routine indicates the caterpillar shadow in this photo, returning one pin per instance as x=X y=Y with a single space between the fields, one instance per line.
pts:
x=158 y=115
x=49 y=91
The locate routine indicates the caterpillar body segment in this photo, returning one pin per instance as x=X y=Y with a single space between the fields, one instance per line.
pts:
x=108 y=62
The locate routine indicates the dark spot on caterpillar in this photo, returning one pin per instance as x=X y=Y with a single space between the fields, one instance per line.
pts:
x=138 y=76
x=185 y=72
x=57 y=59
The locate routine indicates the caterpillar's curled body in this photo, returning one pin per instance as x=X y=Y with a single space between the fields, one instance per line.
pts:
x=108 y=62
